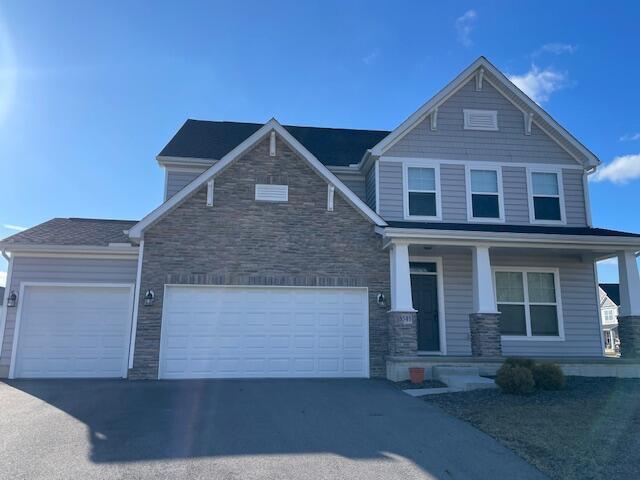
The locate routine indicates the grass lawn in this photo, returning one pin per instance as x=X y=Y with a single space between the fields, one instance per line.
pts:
x=589 y=430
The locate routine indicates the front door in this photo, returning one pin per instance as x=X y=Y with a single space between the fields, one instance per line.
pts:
x=424 y=290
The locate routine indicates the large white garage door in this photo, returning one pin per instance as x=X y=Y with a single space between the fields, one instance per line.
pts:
x=218 y=332
x=73 y=331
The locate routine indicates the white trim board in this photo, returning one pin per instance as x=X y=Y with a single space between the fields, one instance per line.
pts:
x=458 y=82
x=386 y=158
x=5 y=308
x=23 y=285
x=136 y=306
x=138 y=229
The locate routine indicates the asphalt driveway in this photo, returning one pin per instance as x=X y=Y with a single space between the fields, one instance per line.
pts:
x=238 y=429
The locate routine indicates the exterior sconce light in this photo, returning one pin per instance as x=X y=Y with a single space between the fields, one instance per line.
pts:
x=381 y=299
x=149 y=297
x=12 y=299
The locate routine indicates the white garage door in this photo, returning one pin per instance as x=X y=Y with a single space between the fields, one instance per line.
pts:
x=73 y=331
x=218 y=332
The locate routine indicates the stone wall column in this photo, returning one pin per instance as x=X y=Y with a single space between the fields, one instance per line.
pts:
x=629 y=332
x=485 y=334
x=403 y=333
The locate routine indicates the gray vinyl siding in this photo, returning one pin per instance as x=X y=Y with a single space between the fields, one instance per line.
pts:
x=370 y=188
x=574 y=198
x=453 y=193
x=176 y=180
x=355 y=183
x=452 y=142
x=514 y=188
x=61 y=270
x=454 y=196
x=579 y=306
x=390 y=195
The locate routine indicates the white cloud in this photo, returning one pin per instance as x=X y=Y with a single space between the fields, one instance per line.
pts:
x=372 y=57
x=621 y=170
x=17 y=228
x=464 y=26
x=3 y=279
x=630 y=137
x=556 y=49
x=540 y=84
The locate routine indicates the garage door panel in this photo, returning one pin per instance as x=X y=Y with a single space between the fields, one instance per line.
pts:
x=73 y=331
x=264 y=332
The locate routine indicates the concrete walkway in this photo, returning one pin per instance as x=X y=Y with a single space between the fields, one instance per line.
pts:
x=238 y=429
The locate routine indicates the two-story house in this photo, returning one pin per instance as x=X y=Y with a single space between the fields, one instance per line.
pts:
x=609 y=304
x=284 y=251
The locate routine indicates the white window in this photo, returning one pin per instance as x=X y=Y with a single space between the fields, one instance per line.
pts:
x=480 y=119
x=609 y=315
x=484 y=194
x=529 y=303
x=272 y=193
x=546 y=196
x=422 y=192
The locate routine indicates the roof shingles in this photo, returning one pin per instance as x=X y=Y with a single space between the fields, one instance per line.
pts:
x=73 y=231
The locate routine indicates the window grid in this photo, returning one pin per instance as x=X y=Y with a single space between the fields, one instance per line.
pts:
x=527 y=304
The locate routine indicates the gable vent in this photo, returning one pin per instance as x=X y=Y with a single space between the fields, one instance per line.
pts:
x=272 y=193
x=480 y=119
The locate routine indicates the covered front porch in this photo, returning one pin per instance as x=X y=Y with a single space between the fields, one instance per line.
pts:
x=480 y=300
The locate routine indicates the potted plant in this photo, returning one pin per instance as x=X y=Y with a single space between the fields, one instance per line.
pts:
x=416 y=374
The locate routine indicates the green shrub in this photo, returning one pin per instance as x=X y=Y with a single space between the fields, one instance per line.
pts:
x=515 y=379
x=548 y=376
x=520 y=362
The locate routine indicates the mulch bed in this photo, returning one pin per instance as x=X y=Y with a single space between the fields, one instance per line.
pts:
x=407 y=385
x=588 y=430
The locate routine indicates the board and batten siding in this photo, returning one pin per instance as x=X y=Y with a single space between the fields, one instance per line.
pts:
x=454 y=195
x=452 y=142
x=60 y=270
x=579 y=306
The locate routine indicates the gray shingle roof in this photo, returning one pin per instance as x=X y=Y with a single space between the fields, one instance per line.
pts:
x=73 y=231
x=332 y=146
x=613 y=291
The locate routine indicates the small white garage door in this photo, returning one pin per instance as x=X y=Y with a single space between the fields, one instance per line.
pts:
x=71 y=331
x=232 y=332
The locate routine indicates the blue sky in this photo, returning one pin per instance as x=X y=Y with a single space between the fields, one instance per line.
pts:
x=91 y=91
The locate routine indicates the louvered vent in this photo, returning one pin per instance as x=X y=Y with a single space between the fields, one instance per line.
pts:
x=272 y=193
x=480 y=119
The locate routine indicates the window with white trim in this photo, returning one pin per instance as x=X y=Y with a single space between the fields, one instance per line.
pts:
x=422 y=192
x=545 y=196
x=529 y=303
x=609 y=315
x=484 y=196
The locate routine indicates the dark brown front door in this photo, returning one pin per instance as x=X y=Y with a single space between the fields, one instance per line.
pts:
x=424 y=289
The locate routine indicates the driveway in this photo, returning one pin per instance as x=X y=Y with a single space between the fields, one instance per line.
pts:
x=238 y=429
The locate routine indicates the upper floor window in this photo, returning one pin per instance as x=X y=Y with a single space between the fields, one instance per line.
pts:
x=609 y=315
x=529 y=302
x=484 y=194
x=546 y=204
x=422 y=192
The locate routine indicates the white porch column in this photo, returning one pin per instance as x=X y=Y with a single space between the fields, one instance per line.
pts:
x=484 y=298
x=401 y=300
x=629 y=284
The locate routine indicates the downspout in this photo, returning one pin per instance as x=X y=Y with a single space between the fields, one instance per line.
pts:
x=7 y=290
x=136 y=302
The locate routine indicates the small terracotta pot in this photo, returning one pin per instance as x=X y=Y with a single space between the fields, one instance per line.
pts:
x=416 y=374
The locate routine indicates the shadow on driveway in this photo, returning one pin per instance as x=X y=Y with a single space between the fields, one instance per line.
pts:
x=246 y=420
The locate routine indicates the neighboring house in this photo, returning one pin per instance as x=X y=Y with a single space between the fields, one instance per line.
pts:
x=285 y=251
x=609 y=303
x=1 y=295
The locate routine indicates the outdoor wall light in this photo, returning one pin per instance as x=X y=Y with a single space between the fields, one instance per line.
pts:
x=12 y=299
x=381 y=299
x=149 y=297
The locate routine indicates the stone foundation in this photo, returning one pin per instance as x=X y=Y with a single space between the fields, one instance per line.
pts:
x=629 y=332
x=403 y=333
x=485 y=334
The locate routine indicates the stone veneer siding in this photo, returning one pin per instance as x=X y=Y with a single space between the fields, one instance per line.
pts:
x=485 y=335
x=629 y=332
x=239 y=241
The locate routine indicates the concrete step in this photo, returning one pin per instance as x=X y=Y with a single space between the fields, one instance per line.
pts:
x=440 y=371
x=465 y=383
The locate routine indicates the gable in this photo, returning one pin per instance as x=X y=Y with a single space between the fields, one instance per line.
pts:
x=271 y=130
x=451 y=141
x=482 y=72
